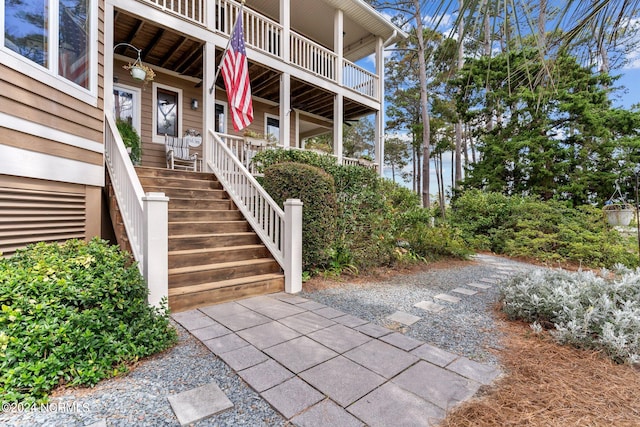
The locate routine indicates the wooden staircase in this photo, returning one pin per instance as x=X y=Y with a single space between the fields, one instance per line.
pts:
x=214 y=255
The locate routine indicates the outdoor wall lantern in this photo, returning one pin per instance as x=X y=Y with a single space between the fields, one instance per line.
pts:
x=194 y=104
x=138 y=70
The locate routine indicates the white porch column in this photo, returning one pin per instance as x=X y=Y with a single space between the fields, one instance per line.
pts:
x=208 y=99
x=379 y=93
x=338 y=117
x=156 y=244
x=285 y=21
x=293 y=246
x=338 y=42
x=285 y=109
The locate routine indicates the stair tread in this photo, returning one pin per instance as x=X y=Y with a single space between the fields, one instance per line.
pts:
x=212 y=221
x=183 y=290
x=190 y=236
x=219 y=249
x=220 y=265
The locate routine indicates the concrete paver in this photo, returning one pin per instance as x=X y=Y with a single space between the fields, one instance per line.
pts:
x=193 y=319
x=329 y=312
x=382 y=358
x=342 y=380
x=312 y=305
x=391 y=405
x=448 y=298
x=464 y=291
x=479 y=372
x=209 y=332
x=401 y=341
x=339 y=338
x=225 y=343
x=265 y=375
x=404 y=318
x=479 y=285
x=300 y=354
x=373 y=330
x=244 y=358
x=292 y=396
x=268 y=334
x=243 y=319
x=275 y=309
x=434 y=355
x=430 y=306
x=199 y=403
x=307 y=322
x=326 y=413
x=350 y=321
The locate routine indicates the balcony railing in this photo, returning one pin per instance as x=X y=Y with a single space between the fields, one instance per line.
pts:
x=265 y=35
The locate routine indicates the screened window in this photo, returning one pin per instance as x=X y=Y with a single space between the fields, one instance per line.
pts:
x=273 y=128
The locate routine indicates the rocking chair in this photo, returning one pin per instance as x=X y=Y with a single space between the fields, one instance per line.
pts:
x=177 y=151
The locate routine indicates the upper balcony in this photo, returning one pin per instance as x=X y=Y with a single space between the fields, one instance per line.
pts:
x=313 y=52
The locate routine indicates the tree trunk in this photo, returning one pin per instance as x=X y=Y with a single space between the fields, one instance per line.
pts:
x=424 y=102
x=458 y=165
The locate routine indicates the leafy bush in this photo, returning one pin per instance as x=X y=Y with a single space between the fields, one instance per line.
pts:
x=72 y=313
x=549 y=231
x=316 y=190
x=583 y=309
x=131 y=139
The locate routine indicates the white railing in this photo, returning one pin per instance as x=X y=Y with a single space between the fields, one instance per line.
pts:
x=145 y=216
x=191 y=10
x=313 y=57
x=260 y=32
x=359 y=79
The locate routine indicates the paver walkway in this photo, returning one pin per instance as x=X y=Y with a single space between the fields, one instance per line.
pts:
x=319 y=366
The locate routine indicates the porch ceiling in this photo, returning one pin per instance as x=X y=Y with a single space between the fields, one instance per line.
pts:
x=167 y=49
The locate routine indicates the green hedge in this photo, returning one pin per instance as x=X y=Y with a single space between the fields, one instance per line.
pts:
x=316 y=189
x=72 y=313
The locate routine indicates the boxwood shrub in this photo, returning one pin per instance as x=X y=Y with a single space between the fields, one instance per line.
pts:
x=73 y=313
x=316 y=189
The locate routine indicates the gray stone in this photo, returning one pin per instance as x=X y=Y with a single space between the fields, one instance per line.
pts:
x=487 y=280
x=223 y=310
x=479 y=285
x=274 y=308
x=292 y=397
x=244 y=358
x=339 y=338
x=382 y=358
x=325 y=413
x=448 y=298
x=254 y=302
x=268 y=334
x=243 y=320
x=193 y=319
x=265 y=375
x=300 y=354
x=101 y=423
x=373 y=330
x=464 y=291
x=329 y=312
x=199 y=403
x=342 y=380
x=225 y=343
x=307 y=322
x=350 y=321
x=430 y=306
x=289 y=298
x=404 y=318
x=471 y=369
x=391 y=405
x=312 y=305
x=434 y=355
x=209 y=332
x=402 y=341
x=437 y=385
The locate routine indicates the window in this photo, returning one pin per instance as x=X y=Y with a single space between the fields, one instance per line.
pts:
x=220 y=117
x=272 y=127
x=53 y=35
x=167 y=114
x=126 y=105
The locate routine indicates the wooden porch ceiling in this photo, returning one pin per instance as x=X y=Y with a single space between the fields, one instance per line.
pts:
x=168 y=49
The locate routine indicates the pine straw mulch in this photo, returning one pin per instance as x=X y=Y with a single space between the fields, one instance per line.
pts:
x=547 y=384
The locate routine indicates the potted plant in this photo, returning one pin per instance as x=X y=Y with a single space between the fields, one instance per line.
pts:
x=140 y=72
x=619 y=213
x=131 y=140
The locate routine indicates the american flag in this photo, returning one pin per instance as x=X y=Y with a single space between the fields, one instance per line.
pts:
x=235 y=72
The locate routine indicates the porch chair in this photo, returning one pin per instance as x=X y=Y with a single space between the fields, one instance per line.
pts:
x=177 y=151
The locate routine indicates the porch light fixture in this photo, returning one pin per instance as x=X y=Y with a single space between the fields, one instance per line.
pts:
x=138 y=70
x=194 y=104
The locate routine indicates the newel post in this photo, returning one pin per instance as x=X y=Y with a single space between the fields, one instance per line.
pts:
x=156 y=237
x=292 y=246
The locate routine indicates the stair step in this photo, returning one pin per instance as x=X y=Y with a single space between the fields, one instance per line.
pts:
x=170 y=192
x=212 y=204
x=188 y=297
x=192 y=257
x=214 y=240
x=163 y=172
x=176 y=215
x=201 y=227
x=197 y=274
x=179 y=182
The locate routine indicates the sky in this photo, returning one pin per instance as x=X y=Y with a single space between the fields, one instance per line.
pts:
x=629 y=79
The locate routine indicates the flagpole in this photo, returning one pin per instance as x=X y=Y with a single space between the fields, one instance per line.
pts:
x=215 y=78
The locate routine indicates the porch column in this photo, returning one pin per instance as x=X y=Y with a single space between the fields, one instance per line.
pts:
x=209 y=99
x=108 y=57
x=285 y=109
x=338 y=42
x=285 y=21
x=338 y=117
x=379 y=93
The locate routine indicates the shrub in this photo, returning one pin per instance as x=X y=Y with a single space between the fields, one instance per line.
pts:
x=316 y=190
x=583 y=309
x=131 y=139
x=72 y=313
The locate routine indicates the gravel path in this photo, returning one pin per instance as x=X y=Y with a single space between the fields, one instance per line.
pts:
x=140 y=398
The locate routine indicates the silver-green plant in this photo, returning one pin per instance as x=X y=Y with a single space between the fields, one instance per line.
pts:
x=581 y=308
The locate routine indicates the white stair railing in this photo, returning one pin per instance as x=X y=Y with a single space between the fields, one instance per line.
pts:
x=283 y=239
x=145 y=216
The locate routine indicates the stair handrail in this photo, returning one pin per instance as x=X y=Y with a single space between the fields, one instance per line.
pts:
x=145 y=216
x=262 y=212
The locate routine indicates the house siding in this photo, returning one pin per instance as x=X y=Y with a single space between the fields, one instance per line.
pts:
x=46 y=123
